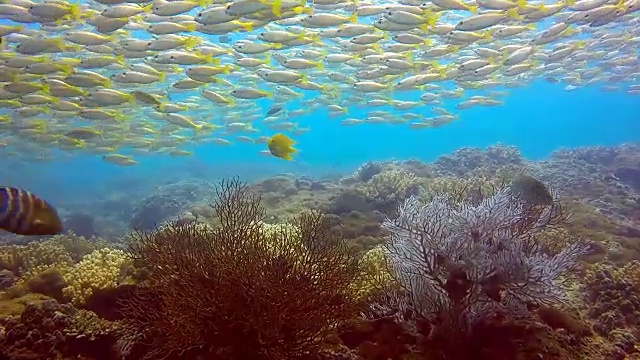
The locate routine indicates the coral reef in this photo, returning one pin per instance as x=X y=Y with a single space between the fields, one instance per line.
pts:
x=613 y=297
x=168 y=201
x=215 y=285
x=49 y=330
x=387 y=189
x=489 y=162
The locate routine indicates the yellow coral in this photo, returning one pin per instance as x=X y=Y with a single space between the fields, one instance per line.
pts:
x=391 y=186
x=101 y=269
x=375 y=274
x=288 y=236
x=60 y=252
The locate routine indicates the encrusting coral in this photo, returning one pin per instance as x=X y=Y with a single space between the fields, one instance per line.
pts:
x=49 y=330
x=613 y=297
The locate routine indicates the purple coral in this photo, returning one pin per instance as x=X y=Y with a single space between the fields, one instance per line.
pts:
x=461 y=262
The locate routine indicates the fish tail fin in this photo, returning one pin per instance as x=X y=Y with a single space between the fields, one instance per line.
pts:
x=66 y=70
x=353 y=18
x=514 y=14
x=317 y=39
x=120 y=59
x=246 y=25
x=191 y=42
x=276 y=8
x=119 y=117
x=75 y=11
x=473 y=9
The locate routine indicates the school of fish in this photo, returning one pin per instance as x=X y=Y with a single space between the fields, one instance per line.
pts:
x=105 y=76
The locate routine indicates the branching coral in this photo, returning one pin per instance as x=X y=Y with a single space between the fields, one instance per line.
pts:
x=236 y=291
x=102 y=269
x=60 y=252
x=26 y=260
x=460 y=262
x=388 y=188
x=375 y=274
x=288 y=232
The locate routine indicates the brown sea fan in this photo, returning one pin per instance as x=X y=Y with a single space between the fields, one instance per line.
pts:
x=236 y=291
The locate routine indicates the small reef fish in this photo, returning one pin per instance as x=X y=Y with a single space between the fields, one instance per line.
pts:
x=274 y=110
x=281 y=146
x=23 y=213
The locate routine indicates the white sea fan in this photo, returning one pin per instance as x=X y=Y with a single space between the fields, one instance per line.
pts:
x=467 y=260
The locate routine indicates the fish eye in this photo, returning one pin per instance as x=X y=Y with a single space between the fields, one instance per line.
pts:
x=172 y=57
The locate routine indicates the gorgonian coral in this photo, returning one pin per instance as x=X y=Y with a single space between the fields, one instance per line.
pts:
x=459 y=261
x=237 y=291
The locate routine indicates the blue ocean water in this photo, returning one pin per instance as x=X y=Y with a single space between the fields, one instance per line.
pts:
x=538 y=119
